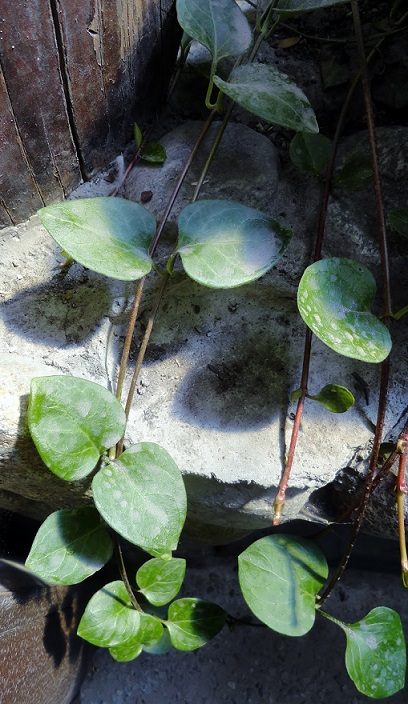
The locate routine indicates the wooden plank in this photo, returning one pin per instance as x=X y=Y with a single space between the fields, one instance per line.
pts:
x=112 y=52
x=32 y=80
x=77 y=73
x=19 y=195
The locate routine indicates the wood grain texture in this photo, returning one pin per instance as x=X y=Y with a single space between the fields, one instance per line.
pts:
x=75 y=74
x=42 y=658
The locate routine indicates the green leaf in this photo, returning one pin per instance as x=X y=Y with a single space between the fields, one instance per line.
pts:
x=271 y=95
x=334 y=300
x=280 y=576
x=224 y=244
x=70 y=546
x=109 y=618
x=193 y=622
x=298 y=7
x=111 y=236
x=336 y=399
x=137 y=134
x=219 y=25
x=127 y=651
x=376 y=653
x=72 y=422
x=160 y=581
x=356 y=174
x=154 y=153
x=149 y=634
x=398 y=220
x=162 y=646
x=141 y=495
x=310 y=152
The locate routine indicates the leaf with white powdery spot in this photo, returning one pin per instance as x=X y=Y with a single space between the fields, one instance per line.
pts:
x=271 y=95
x=72 y=422
x=334 y=300
x=160 y=581
x=224 y=244
x=375 y=652
x=141 y=495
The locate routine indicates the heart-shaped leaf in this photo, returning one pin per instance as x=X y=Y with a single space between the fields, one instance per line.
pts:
x=141 y=495
x=398 y=220
x=280 y=576
x=160 y=581
x=110 y=617
x=149 y=634
x=335 y=398
x=375 y=652
x=298 y=7
x=72 y=422
x=334 y=300
x=271 y=95
x=310 y=152
x=193 y=622
x=219 y=25
x=111 y=236
x=70 y=546
x=224 y=244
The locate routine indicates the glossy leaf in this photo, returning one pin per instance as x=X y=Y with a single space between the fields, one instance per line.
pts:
x=298 y=7
x=72 y=422
x=356 y=174
x=398 y=220
x=160 y=581
x=310 y=152
x=162 y=646
x=154 y=153
x=271 y=95
x=334 y=300
x=108 y=235
x=193 y=622
x=109 y=618
x=127 y=651
x=376 y=653
x=219 y=25
x=141 y=495
x=149 y=634
x=335 y=398
x=70 y=546
x=224 y=244
x=280 y=576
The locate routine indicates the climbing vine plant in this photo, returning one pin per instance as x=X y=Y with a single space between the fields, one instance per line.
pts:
x=138 y=493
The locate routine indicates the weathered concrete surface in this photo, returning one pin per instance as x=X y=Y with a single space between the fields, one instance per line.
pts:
x=221 y=364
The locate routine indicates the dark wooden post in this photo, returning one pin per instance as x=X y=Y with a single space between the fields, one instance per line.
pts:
x=74 y=74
